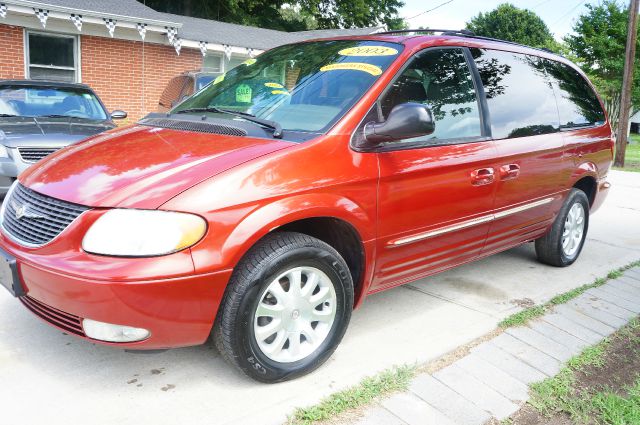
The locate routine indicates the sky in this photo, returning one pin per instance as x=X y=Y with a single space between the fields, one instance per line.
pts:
x=559 y=15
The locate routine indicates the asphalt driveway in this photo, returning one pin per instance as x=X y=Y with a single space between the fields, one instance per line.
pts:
x=48 y=376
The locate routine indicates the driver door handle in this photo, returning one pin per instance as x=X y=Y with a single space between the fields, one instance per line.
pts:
x=482 y=176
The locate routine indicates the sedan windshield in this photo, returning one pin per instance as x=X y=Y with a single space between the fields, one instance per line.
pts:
x=33 y=101
x=301 y=87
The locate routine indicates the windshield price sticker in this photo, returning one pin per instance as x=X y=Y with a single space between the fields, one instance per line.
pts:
x=279 y=92
x=243 y=94
x=249 y=61
x=274 y=85
x=368 y=51
x=354 y=66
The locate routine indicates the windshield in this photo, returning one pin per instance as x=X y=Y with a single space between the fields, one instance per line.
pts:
x=31 y=101
x=303 y=87
x=203 y=80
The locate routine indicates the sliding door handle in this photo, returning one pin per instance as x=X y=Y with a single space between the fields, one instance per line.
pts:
x=482 y=176
x=509 y=171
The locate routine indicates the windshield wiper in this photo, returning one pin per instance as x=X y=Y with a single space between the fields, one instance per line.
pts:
x=53 y=116
x=7 y=115
x=274 y=125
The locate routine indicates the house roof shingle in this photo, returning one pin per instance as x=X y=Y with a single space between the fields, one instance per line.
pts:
x=124 y=8
x=195 y=29
x=232 y=34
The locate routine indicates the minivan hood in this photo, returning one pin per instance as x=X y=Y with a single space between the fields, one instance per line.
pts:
x=140 y=166
x=39 y=132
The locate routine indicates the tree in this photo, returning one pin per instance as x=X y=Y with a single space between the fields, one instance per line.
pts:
x=510 y=23
x=599 y=46
x=290 y=15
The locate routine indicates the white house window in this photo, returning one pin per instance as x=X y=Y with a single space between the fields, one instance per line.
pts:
x=52 y=57
x=212 y=63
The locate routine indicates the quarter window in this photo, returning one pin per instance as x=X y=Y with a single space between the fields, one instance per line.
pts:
x=520 y=96
x=577 y=103
x=52 y=57
x=440 y=79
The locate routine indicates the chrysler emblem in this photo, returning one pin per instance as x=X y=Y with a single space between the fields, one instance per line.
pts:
x=22 y=210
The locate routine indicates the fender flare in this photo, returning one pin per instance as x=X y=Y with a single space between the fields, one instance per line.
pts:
x=585 y=169
x=269 y=217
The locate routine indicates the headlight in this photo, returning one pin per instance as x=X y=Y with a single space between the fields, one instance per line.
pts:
x=4 y=153
x=143 y=233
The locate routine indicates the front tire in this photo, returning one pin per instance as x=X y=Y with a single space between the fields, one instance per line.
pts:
x=562 y=245
x=286 y=307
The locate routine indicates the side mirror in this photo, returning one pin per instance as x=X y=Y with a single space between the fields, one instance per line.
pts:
x=118 y=115
x=405 y=121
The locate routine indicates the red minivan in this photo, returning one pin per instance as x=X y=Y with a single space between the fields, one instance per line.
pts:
x=265 y=207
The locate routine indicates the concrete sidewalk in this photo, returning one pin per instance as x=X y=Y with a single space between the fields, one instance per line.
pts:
x=47 y=376
x=492 y=381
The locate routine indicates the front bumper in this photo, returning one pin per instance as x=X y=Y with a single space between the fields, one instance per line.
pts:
x=161 y=294
x=178 y=312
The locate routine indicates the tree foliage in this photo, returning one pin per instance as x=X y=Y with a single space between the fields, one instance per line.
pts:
x=290 y=15
x=510 y=23
x=599 y=47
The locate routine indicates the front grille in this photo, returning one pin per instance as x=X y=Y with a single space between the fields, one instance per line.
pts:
x=33 y=219
x=35 y=154
x=66 y=321
x=198 y=127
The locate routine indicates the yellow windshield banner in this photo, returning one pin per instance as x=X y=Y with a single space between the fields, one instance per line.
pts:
x=219 y=79
x=368 y=51
x=354 y=66
x=274 y=85
x=250 y=61
x=279 y=92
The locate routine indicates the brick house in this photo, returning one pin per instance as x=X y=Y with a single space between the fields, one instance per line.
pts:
x=125 y=51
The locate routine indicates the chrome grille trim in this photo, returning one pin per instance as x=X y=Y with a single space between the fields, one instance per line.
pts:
x=33 y=155
x=42 y=220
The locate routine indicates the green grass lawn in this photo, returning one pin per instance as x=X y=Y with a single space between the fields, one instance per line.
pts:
x=632 y=155
x=599 y=386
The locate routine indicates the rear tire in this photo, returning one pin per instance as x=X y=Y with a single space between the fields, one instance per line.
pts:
x=562 y=245
x=285 y=309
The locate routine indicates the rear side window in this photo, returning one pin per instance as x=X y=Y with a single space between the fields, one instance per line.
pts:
x=577 y=103
x=440 y=79
x=520 y=95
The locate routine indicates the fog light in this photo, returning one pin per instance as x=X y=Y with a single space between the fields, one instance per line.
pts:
x=113 y=333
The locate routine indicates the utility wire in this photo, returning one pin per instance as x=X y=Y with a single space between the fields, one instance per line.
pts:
x=568 y=13
x=430 y=10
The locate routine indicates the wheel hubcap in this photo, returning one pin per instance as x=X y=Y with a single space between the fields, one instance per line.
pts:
x=573 y=230
x=295 y=314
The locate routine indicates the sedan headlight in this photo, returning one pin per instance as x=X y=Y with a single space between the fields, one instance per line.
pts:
x=143 y=233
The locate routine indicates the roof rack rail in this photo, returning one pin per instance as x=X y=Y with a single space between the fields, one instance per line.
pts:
x=463 y=32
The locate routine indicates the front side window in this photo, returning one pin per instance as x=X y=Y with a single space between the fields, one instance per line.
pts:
x=34 y=101
x=52 y=57
x=577 y=102
x=520 y=96
x=440 y=79
x=304 y=87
